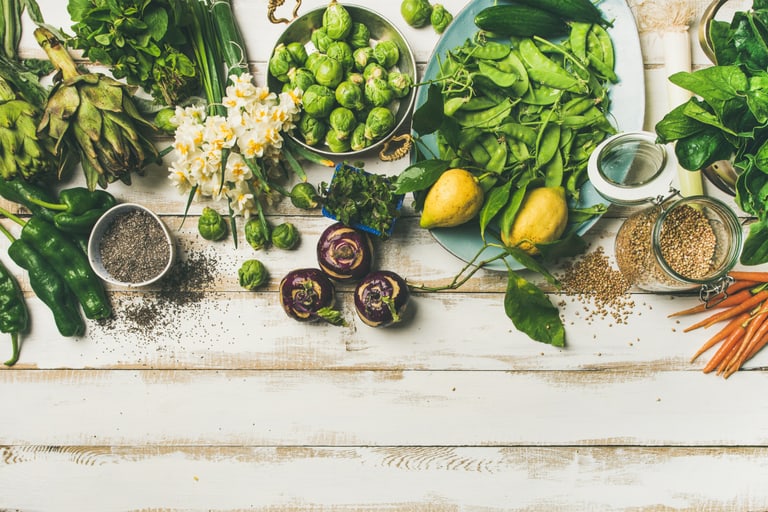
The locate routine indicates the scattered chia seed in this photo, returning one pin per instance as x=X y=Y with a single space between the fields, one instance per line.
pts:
x=134 y=248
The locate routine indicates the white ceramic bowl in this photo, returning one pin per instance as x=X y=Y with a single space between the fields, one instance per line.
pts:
x=97 y=235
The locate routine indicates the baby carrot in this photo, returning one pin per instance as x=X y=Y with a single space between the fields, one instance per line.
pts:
x=730 y=300
x=757 y=346
x=730 y=312
x=750 y=342
x=728 y=345
x=749 y=275
x=720 y=336
x=733 y=361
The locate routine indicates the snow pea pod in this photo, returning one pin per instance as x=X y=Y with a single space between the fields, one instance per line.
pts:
x=547 y=143
x=487 y=118
x=493 y=50
x=497 y=76
x=545 y=71
x=519 y=132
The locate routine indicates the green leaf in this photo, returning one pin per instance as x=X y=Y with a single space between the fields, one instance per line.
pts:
x=157 y=22
x=493 y=205
x=676 y=125
x=568 y=246
x=715 y=84
x=755 y=248
x=428 y=117
x=700 y=150
x=420 y=176
x=532 y=312
x=508 y=217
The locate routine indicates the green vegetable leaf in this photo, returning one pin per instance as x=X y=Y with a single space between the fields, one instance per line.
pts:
x=676 y=125
x=700 y=150
x=755 y=248
x=715 y=84
x=428 y=117
x=508 y=217
x=156 y=20
x=495 y=201
x=420 y=176
x=532 y=312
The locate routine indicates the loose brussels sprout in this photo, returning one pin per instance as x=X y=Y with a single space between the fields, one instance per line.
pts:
x=357 y=141
x=211 y=225
x=362 y=57
x=298 y=53
x=252 y=274
x=416 y=12
x=312 y=129
x=312 y=60
x=440 y=18
x=379 y=123
x=281 y=63
x=399 y=83
x=301 y=78
x=359 y=36
x=257 y=234
x=320 y=39
x=164 y=120
x=374 y=70
x=377 y=92
x=285 y=236
x=337 y=21
x=335 y=142
x=329 y=72
x=349 y=95
x=356 y=78
x=318 y=100
x=304 y=195
x=342 y=52
x=343 y=121
x=387 y=53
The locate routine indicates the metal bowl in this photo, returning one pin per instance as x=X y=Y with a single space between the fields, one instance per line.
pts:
x=300 y=30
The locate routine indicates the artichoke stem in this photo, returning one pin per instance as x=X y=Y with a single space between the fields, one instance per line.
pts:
x=57 y=53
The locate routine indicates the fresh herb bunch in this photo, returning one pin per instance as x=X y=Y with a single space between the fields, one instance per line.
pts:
x=357 y=197
x=140 y=41
x=727 y=119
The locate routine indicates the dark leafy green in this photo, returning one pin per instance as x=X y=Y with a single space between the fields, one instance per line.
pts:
x=532 y=312
x=727 y=119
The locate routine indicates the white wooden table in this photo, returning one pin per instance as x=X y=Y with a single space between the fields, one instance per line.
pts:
x=220 y=402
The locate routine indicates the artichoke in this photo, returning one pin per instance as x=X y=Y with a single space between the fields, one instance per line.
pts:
x=22 y=151
x=97 y=115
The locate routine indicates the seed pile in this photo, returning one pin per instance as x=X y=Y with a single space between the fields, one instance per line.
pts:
x=600 y=288
x=134 y=248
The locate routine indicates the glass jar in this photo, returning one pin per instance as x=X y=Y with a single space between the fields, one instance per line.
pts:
x=674 y=244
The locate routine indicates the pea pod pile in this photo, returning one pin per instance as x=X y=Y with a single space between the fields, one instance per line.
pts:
x=526 y=110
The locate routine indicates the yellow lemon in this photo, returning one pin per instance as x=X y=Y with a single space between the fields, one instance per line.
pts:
x=454 y=199
x=542 y=218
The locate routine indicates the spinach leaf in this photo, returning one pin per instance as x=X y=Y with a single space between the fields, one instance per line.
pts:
x=532 y=312
x=700 y=150
x=755 y=248
x=676 y=125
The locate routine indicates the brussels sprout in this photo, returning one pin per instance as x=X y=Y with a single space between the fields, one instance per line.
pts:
x=399 y=83
x=374 y=70
x=379 y=123
x=298 y=53
x=252 y=274
x=281 y=63
x=356 y=78
x=257 y=234
x=342 y=52
x=312 y=129
x=164 y=120
x=304 y=195
x=349 y=95
x=329 y=72
x=285 y=236
x=416 y=12
x=337 y=21
x=211 y=225
x=377 y=92
x=357 y=141
x=312 y=60
x=362 y=57
x=343 y=121
x=440 y=18
x=320 y=39
x=301 y=78
x=335 y=142
x=318 y=100
x=359 y=36
x=386 y=53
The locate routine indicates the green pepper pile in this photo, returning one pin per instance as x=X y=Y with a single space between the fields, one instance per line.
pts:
x=52 y=249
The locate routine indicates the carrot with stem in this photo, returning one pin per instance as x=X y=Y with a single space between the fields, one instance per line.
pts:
x=750 y=342
x=730 y=312
x=732 y=361
x=728 y=301
x=760 y=342
x=721 y=335
x=730 y=342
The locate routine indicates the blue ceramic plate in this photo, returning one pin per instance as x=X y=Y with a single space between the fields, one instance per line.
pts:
x=627 y=109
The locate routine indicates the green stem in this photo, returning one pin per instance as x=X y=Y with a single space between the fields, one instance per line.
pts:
x=8 y=235
x=45 y=204
x=9 y=215
x=57 y=53
x=458 y=280
x=15 y=344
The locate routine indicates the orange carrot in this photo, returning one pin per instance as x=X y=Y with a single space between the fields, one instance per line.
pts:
x=732 y=364
x=749 y=275
x=750 y=343
x=728 y=345
x=728 y=301
x=757 y=346
x=730 y=312
x=720 y=336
